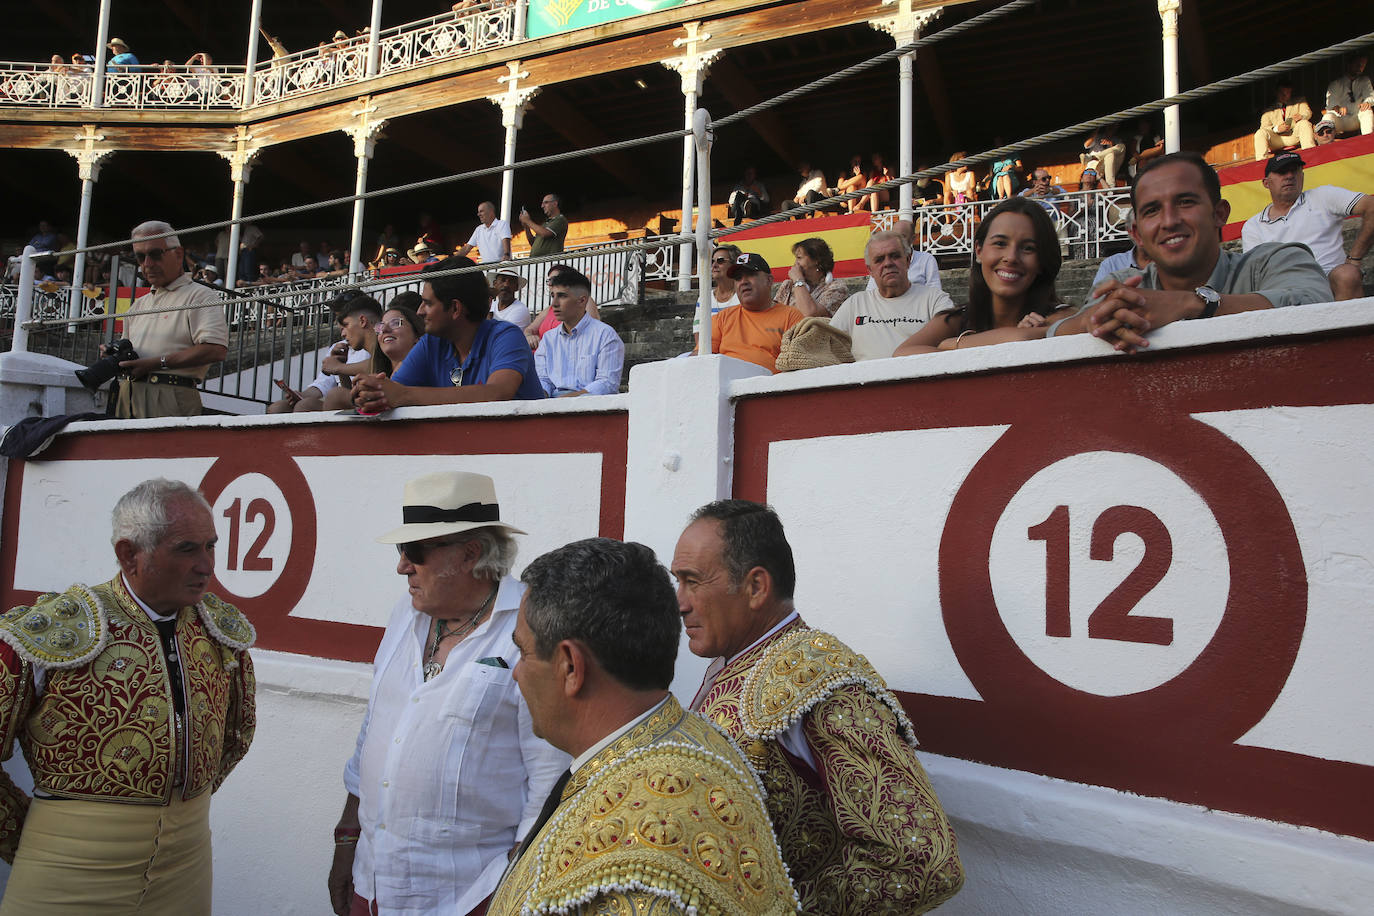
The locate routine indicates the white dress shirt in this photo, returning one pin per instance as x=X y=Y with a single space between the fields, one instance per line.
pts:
x=448 y=772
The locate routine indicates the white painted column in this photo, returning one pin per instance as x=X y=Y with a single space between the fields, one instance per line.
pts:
x=240 y=168
x=374 y=47
x=1168 y=12
x=905 y=26
x=514 y=102
x=102 y=35
x=250 y=59
x=365 y=132
x=23 y=306
x=88 y=168
x=703 y=135
x=692 y=67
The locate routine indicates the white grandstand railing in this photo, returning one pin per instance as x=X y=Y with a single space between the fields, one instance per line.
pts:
x=176 y=86
x=402 y=47
x=45 y=86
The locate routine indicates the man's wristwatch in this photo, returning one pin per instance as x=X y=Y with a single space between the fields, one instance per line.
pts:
x=1210 y=300
x=164 y=362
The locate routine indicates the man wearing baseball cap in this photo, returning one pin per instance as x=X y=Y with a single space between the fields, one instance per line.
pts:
x=752 y=330
x=447 y=777
x=1313 y=217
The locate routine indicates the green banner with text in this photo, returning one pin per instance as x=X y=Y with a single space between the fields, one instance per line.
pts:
x=548 y=17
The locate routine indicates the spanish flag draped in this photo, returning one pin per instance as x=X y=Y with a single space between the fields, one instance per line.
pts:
x=1346 y=163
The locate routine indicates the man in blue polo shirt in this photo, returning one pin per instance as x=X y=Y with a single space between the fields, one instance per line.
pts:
x=463 y=357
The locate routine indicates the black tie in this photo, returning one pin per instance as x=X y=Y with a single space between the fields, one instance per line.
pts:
x=550 y=806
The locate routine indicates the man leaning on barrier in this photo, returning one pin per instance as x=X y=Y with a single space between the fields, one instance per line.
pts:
x=1179 y=216
x=175 y=349
x=860 y=827
x=132 y=701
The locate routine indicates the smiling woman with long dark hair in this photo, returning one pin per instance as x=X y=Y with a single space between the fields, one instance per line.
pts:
x=1010 y=288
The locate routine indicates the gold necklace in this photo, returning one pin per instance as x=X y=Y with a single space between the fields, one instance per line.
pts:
x=433 y=667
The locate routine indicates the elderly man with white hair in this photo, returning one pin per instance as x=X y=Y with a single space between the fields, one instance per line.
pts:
x=175 y=348
x=132 y=701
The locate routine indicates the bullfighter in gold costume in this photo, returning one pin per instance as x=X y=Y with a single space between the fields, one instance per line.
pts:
x=860 y=827
x=132 y=701
x=659 y=813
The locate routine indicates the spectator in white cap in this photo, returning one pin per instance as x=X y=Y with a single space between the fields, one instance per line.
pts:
x=505 y=304
x=447 y=776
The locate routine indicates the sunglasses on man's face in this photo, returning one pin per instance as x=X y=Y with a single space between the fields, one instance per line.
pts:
x=417 y=552
x=152 y=254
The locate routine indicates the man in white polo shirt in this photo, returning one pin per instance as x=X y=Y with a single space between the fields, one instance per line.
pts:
x=1314 y=218
x=491 y=238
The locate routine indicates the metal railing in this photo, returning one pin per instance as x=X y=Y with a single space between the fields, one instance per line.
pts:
x=1085 y=222
x=45 y=85
x=198 y=87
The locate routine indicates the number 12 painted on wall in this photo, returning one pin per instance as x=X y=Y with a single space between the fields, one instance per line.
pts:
x=1112 y=619
x=253 y=560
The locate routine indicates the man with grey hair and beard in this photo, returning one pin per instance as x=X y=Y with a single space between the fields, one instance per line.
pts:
x=175 y=348
x=447 y=776
x=132 y=701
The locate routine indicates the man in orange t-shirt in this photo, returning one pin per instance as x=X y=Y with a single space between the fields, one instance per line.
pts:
x=753 y=329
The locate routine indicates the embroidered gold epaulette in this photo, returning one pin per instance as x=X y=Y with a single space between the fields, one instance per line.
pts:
x=226 y=622
x=800 y=670
x=674 y=820
x=59 y=630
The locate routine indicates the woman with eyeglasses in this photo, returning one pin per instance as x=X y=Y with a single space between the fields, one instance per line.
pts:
x=401 y=327
x=1010 y=288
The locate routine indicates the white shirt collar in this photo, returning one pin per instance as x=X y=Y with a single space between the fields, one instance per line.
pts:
x=153 y=615
x=780 y=624
x=601 y=745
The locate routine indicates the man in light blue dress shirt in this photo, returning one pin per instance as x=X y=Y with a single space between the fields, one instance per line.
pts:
x=581 y=355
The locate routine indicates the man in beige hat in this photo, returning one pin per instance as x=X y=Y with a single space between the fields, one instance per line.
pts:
x=123 y=60
x=505 y=305
x=447 y=776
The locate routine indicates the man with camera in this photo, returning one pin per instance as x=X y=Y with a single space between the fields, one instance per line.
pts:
x=173 y=350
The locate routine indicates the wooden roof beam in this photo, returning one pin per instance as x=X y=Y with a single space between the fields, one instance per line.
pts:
x=932 y=85
x=741 y=93
x=555 y=110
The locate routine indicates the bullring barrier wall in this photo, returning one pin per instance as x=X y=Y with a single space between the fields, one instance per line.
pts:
x=1126 y=600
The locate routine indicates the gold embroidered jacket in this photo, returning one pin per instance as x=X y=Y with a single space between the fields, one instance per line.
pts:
x=103 y=726
x=665 y=820
x=865 y=833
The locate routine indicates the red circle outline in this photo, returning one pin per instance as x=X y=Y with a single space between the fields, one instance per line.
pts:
x=290 y=586
x=1239 y=673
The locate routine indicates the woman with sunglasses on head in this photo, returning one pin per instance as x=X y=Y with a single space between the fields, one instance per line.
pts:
x=1011 y=284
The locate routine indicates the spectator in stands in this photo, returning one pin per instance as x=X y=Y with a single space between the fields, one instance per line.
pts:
x=1179 y=215
x=336 y=266
x=505 y=283
x=748 y=198
x=391 y=257
x=1146 y=143
x=310 y=271
x=548 y=238
x=431 y=234
x=357 y=316
x=1325 y=131
x=401 y=328
x=303 y=251
x=45 y=239
x=723 y=292
x=959 y=184
x=811 y=287
x=546 y=320
x=1103 y=152
x=422 y=253
x=1288 y=121
x=491 y=238
x=1087 y=181
x=175 y=349
x=123 y=60
x=753 y=329
x=923 y=269
x=581 y=355
x=926 y=191
x=856 y=179
x=878 y=320
x=1006 y=174
x=1127 y=262
x=1350 y=98
x=813 y=187
x=1011 y=284
x=880 y=173
x=1313 y=217
x=462 y=358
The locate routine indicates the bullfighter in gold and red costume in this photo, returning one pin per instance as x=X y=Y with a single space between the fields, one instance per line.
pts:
x=132 y=701
x=860 y=827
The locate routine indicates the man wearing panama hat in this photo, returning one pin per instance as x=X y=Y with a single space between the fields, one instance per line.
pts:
x=123 y=60
x=505 y=305
x=447 y=776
